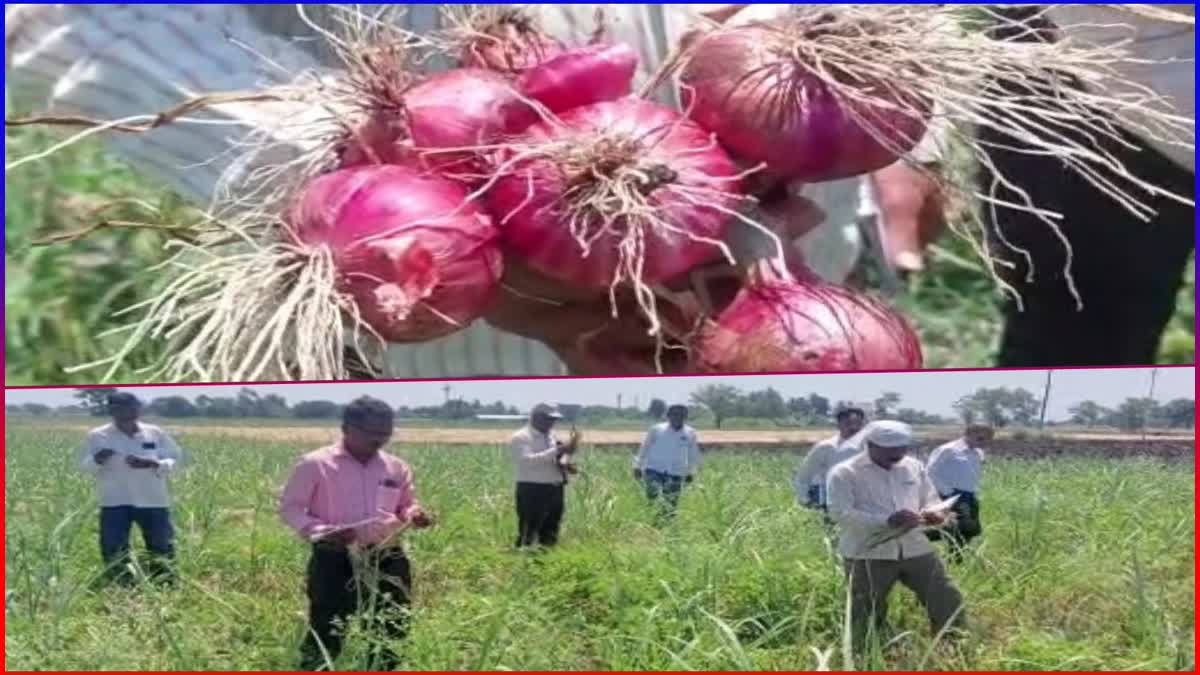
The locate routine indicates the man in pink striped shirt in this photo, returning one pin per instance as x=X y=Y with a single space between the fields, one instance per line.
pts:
x=352 y=499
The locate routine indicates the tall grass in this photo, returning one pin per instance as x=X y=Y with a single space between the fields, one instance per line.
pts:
x=1084 y=565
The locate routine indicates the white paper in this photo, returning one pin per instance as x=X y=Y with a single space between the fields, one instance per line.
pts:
x=942 y=506
x=342 y=528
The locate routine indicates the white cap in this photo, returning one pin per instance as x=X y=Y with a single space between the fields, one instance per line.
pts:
x=889 y=434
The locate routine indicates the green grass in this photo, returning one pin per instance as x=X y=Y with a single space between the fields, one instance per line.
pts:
x=1082 y=566
x=60 y=299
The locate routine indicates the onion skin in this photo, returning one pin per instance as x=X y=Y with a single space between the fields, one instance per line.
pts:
x=405 y=243
x=744 y=84
x=464 y=108
x=786 y=326
x=526 y=201
x=510 y=46
x=582 y=76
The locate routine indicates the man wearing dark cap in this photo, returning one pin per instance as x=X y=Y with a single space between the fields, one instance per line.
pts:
x=131 y=461
x=880 y=499
x=541 y=464
x=668 y=458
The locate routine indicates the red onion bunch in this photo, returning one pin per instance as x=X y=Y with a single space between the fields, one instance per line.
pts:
x=784 y=324
x=419 y=260
x=626 y=190
x=762 y=88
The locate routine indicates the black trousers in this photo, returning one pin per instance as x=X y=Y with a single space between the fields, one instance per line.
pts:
x=382 y=587
x=967 y=523
x=1128 y=272
x=540 y=508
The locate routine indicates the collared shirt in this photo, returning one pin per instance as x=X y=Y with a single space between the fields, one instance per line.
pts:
x=955 y=466
x=535 y=457
x=121 y=484
x=863 y=495
x=330 y=488
x=824 y=456
x=675 y=452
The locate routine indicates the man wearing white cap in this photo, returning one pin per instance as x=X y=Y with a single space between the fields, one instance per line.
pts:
x=809 y=480
x=668 y=458
x=542 y=464
x=880 y=499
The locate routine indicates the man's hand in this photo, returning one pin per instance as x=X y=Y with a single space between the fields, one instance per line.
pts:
x=913 y=214
x=421 y=519
x=907 y=520
x=343 y=537
x=933 y=517
x=140 y=462
x=103 y=455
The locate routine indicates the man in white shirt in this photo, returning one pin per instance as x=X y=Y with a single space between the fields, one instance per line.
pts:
x=668 y=458
x=541 y=464
x=956 y=469
x=880 y=499
x=131 y=461
x=809 y=479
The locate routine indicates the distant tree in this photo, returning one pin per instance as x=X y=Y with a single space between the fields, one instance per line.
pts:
x=36 y=409
x=885 y=404
x=172 y=406
x=12 y=409
x=70 y=410
x=657 y=409
x=1087 y=413
x=1023 y=406
x=273 y=406
x=1133 y=414
x=913 y=416
x=799 y=407
x=95 y=400
x=819 y=406
x=1180 y=413
x=722 y=400
x=221 y=407
x=314 y=410
x=765 y=404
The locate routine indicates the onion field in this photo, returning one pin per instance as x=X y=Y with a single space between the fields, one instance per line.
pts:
x=1086 y=563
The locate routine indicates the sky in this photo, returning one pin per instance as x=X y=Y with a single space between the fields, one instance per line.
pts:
x=931 y=391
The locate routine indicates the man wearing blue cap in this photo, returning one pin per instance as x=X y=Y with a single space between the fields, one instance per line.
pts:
x=880 y=500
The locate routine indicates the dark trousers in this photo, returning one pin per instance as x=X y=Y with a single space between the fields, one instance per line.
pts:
x=1128 y=271
x=664 y=486
x=116 y=524
x=540 y=508
x=967 y=524
x=871 y=581
x=381 y=588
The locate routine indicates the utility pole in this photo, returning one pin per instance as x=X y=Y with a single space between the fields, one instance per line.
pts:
x=1149 y=397
x=446 y=392
x=1045 y=399
x=618 y=401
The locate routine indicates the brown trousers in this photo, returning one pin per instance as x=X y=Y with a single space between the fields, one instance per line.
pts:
x=871 y=582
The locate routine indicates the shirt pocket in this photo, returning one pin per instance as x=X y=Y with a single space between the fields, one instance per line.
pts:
x=387 y=496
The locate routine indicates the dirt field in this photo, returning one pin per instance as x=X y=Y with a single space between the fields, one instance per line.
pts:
x=1179 y=447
